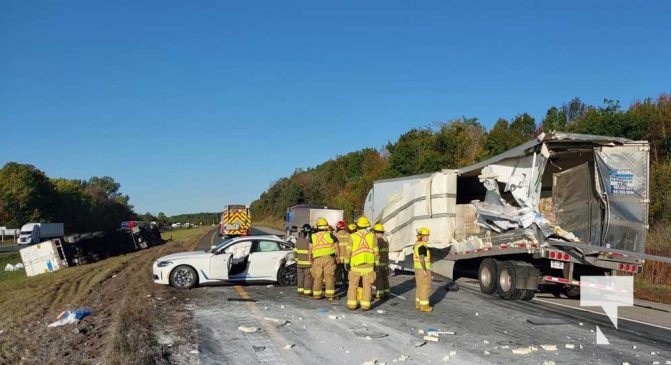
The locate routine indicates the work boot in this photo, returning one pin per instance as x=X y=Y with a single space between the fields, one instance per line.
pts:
x=426 y=308
x=365 y=309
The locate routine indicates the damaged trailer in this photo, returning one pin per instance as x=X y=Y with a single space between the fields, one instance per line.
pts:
x=539 y=215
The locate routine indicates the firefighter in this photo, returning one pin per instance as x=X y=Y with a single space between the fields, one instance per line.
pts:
x=382 y=272
x=344 y=241
x=421 y=257
x=304 y=284
x=324 y=254
x=361 y=260
x=351 y=227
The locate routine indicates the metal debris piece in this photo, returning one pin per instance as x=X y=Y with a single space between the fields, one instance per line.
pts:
x=430 y=338
x=420 y=344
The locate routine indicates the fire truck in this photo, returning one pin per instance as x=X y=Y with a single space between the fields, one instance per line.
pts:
x=235 y=221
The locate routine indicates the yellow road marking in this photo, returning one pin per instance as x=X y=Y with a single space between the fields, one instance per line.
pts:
x=270 y=329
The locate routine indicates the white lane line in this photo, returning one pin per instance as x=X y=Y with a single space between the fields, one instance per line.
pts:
x=582 y=309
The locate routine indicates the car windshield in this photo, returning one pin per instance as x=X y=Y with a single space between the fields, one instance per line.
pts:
x=222 y=244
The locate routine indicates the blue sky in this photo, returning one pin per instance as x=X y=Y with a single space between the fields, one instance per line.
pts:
x=193 y=105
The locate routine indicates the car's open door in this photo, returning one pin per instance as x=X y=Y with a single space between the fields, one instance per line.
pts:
x=219 y=266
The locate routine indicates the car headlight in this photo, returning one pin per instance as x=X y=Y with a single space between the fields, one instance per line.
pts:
x=164 y=263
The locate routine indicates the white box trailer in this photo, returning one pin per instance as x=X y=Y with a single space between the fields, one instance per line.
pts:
x=543 y=213
x=43 y=257
x=298 y=215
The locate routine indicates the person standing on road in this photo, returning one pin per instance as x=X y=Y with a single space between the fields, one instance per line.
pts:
x=362 y=260
x=304 y=283
x=382 y=272
x=324 y=253
x=421 y=257
x=345 y=242
x=351 y=227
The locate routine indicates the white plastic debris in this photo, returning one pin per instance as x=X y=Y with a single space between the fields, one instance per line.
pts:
x=289 y=346
x=282 y=306
x=446 y=358
x=634 y=347
x=625 y=363
x=403 y=358
x=580 y=324
x=549 y=362
x=370 y=362
x=549 y=347
x=114 y=276
x=248 y=329
x=485 y=342
x=381 y=311
x=525 y=350
x=655 y=363
x=421 y=332
x=453 y=353
x=194 y=351
x=569 y=346
x=477 y=314
x=486 y=352
x=430 y=338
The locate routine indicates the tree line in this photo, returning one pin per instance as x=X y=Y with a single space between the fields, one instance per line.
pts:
x=345 y=180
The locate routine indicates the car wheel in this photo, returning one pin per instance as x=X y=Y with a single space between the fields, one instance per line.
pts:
x=183 y=277
x=287 y=276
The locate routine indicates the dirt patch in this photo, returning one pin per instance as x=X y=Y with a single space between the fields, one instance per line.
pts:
x=133 y=320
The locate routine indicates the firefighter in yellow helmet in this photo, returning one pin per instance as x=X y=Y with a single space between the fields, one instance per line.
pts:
x=421 y=257
x=351 y=227
x=324 y=253
x=304 y=283
x=382 y=272
x=345 y=243
x=362 y=260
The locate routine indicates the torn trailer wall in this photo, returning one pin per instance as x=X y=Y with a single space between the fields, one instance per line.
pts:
x=579 y=188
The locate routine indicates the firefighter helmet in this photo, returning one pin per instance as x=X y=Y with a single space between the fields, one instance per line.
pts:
x=352 y=227
x=340 y=225
x=379 y=228
x=322 y=223
x=423 y=231
x=362 y=222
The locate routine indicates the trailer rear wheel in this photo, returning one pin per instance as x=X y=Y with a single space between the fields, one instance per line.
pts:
x=527 y=294
x=571 y=292
x=487 y=276
x=507 y=281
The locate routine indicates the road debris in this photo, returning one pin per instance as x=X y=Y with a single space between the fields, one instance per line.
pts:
x=370 y=362
x=365 y=332
x=525 y=350
x=381 y=311
x=569 y=346
x=71 y=316
x=16 y=267
x=258 y=348
x=246 y=329
x=289 y=346
x=420 y=344
x=333 y=316
x=430 y=338
x=403 y=358
x=549 y=362
x=549 y=347
x=278 y=322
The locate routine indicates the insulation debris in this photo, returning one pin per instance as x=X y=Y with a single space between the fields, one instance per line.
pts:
x=246 y=329
x=525 y=350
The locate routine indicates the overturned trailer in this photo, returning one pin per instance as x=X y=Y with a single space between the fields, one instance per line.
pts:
x=541 y=214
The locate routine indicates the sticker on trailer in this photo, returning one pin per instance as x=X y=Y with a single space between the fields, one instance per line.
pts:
x=621 y=181
x=557 y=265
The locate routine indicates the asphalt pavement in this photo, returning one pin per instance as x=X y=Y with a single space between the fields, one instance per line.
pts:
x=271 y=324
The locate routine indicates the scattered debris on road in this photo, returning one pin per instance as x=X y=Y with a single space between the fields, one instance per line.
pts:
x=549 y=347
x=525 y=350
x=71 y=316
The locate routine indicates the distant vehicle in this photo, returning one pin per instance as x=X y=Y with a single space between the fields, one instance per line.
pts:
x=39 y=232
x=298 y=215
x=235 y=221
x=250 y=259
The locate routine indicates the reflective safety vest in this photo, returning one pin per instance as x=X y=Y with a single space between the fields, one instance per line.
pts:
x=364 y=249
x=345 y=242
x=301 y=252
x=415 y=255
x=383 y=247
x=322 y=244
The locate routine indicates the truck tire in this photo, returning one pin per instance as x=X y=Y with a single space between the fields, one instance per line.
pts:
x=528 y=294
x=571 y=292
x=507 y=281
x=183 y=277
x=487 y=276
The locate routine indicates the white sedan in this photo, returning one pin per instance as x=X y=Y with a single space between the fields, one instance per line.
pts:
x=241 y=259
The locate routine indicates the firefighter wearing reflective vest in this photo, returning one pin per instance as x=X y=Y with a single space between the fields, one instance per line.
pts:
x=324 y=254
x=304 y=283
x=361 y=260
x=421 y=257
x=382 y=272
x=344 y=241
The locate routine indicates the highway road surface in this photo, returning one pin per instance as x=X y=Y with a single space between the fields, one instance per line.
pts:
x=271 y=324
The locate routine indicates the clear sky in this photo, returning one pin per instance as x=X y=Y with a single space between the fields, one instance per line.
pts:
x=191 y=105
